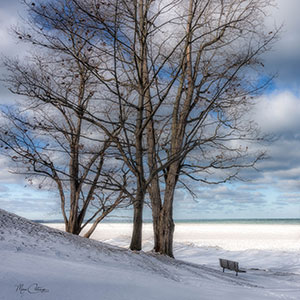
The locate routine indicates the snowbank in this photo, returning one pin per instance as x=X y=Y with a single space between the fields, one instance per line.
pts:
x=38 y=262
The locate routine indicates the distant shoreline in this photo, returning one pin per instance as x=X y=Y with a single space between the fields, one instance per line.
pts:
x=200 y=221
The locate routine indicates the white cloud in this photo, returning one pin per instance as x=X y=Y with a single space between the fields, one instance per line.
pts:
x=284 y=58
x=6 y=176
x=278 y=112
x=10 y=13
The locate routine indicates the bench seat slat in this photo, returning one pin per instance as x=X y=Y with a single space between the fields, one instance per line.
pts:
x=230 y=265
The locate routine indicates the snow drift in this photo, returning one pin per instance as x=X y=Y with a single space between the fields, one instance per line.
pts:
x=38 y=262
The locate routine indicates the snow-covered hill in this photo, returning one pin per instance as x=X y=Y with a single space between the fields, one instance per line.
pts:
x=38 y=262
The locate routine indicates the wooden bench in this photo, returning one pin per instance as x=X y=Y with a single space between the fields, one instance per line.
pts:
x=230 y=265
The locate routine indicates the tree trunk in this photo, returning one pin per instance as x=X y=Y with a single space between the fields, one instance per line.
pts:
x=155 y=197
x=163 y=224
x=138 y=204
x=73 y=226
x=136 y=238
x=164 y=230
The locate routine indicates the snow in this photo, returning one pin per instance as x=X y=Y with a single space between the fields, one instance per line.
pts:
x=39 y=262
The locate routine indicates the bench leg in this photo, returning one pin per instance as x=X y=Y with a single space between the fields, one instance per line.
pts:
x=223 y=270
x=236 y=273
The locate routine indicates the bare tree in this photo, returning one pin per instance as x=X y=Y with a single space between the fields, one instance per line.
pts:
x=45 y=134
x=184 y=73
x=219 y=74
x=179 y=77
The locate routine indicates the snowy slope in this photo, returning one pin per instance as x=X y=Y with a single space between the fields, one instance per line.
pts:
x=38 y=262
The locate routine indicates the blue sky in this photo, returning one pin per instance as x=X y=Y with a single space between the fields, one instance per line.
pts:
x=271 y=192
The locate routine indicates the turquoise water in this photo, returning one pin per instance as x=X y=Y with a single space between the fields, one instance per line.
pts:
x=203 y=221
x=243 y=221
